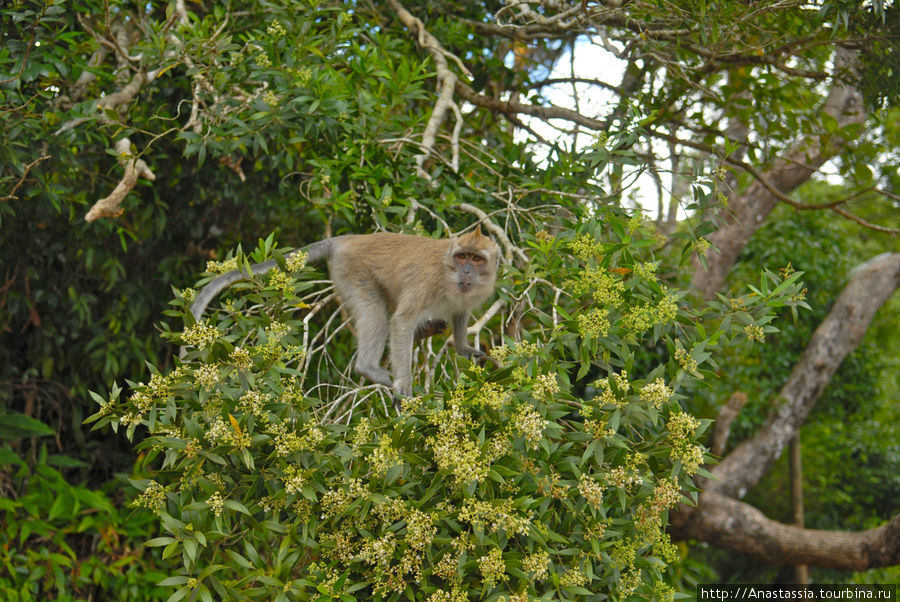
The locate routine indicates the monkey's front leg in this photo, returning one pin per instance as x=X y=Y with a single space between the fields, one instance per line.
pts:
x=460 y=324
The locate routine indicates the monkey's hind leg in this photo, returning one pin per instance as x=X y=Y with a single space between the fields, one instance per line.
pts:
x=370 y=321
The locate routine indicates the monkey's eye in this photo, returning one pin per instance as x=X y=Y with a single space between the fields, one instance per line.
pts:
x=461 y=258
x=477 y=259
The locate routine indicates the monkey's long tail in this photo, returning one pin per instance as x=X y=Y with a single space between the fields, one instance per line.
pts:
x=315 y=252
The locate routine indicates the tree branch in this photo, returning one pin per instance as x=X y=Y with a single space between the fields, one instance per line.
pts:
x=723 y=521
x=750 y=209
x=12 y=193
x=739 y=527
x=840 y=332
x=134 y=168
x=722 y=427
x=446 y=83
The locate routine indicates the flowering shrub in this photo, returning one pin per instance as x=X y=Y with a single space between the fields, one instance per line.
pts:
x=549 y=475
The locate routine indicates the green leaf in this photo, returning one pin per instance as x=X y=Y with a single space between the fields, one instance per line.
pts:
x=14 y=425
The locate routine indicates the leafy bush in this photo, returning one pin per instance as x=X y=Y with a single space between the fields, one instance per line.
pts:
x=550 y=475
x=62 y=541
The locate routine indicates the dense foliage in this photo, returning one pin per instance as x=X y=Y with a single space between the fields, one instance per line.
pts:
x=495 y=482
x=183 y=130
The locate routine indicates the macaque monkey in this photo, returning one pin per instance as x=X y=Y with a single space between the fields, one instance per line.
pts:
x=397 y=287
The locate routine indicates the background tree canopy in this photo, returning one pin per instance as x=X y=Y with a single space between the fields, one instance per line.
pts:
x=143 y=140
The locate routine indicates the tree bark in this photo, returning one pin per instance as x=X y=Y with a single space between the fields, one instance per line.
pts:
x=732 y=525
x=840 y=332
x=723 y=521
x=748 y=211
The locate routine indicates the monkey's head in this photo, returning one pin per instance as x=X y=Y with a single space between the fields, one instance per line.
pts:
x=473 y=259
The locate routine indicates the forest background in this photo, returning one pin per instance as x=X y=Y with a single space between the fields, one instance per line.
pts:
x=144 y=140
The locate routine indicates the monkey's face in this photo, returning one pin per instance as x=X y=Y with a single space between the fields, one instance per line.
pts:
x=470 y=269
x=472 y=261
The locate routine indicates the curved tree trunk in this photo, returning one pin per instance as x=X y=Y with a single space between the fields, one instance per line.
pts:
x=722 y=520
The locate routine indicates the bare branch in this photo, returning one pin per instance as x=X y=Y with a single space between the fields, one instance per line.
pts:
x=722 y=428
x=446 y=83
x=12 y=193
x=509 y=248
x=796 y=166
x=134 y=168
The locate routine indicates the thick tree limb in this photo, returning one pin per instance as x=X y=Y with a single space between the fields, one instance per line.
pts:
x=840 y=332
x=796 y=166
x=723 y=521
x=739 y=527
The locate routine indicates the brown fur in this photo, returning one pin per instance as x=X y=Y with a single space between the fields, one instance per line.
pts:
x=394 y=284
x=395 y=287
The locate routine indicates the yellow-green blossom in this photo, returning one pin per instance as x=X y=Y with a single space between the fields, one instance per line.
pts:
x=296 y=261
x=200 y=335
x=207 y=376
x=598 y=428
x=636 y=222
x=281 y=281
x=682 y=425
x=754 y=333
x=252 y=402
x=701 y=246
x=629 y=581
x=585 y=247
x=383 y=457
x=276 y=29
x=153 y=498
x=455 y=594
x=656 y=393
x=453 y=447
x=538 y=564
x=240 y=359
x=574 y=577
x=646 y=270
x=663 y=592
x=222 y=433
x=594 y=323
x=545 y=386
x=623 y=552
x=491 y=395
x=591 y=491
x=690 y=456
x=526 y=349
x=492 y=567
x=494 y=516
x=379 y=552
x=221 y=267
x=528 y=423
x=605 y=288
x=335 y=501
x=270 y=98
x=664 y=549
x=302 y=75
x=216 y=503
x=500 y=352
x=685 y=360
x=624 y=477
